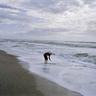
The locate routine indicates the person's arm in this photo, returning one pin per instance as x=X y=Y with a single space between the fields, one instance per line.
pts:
x=49 y=58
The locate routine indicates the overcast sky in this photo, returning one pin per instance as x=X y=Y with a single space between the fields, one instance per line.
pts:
x=71 y=17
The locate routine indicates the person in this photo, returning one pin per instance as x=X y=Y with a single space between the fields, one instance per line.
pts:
x=47 y=56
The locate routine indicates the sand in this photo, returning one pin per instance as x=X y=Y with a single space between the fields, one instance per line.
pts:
x=17 y=81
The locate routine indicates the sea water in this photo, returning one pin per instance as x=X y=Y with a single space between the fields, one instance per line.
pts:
x=73 y=66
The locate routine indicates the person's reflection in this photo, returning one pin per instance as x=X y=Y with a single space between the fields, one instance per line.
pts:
x=45 y=68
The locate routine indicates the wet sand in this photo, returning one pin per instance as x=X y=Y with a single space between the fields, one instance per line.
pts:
x=17 y=81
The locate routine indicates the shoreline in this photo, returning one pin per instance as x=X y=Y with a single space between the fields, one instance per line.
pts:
x=15 y=80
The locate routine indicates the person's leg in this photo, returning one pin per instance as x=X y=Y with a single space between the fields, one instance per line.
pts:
x=46 y=59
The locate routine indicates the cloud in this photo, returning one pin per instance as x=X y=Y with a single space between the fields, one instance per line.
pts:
x=55 y=6
x=77 y=16
x=50 y=15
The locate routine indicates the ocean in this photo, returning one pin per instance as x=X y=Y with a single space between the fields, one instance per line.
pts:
x=73 y=66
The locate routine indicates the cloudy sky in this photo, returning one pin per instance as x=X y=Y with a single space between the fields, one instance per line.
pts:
x=48 y=18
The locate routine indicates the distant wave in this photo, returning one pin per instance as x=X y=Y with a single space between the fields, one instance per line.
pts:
x=63 y=43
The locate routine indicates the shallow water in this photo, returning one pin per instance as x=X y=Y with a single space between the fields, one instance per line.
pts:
x=73 y=66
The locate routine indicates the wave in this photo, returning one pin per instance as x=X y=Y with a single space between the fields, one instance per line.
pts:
x=61 y=43
x=85 y=57
x=68 y=51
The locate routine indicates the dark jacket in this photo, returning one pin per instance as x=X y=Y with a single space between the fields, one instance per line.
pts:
x=47 y=55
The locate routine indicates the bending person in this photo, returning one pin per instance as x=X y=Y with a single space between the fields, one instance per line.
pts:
x=47 y=56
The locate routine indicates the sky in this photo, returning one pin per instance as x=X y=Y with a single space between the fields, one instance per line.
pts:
x=48 y=19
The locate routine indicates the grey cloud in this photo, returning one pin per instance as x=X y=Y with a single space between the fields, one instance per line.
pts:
x=54 y=6
x=16 y=17
x=19 y=16
x=11 y=27
x=91 y=27
x=50 y=5
x=42 y=32
x=47 y=30
x=88 y=1
x=8 y=12
x=5 y=6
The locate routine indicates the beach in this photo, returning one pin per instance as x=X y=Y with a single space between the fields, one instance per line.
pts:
x=17 y=81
